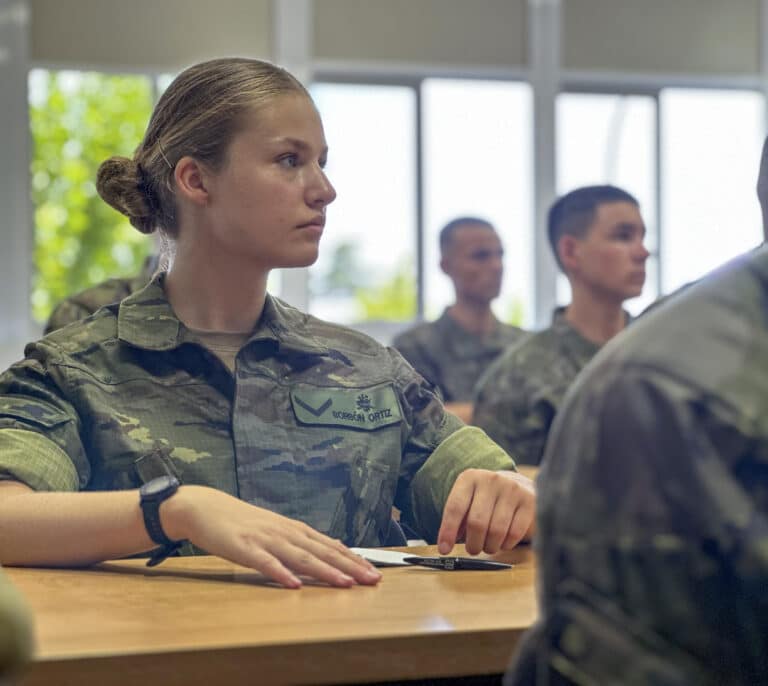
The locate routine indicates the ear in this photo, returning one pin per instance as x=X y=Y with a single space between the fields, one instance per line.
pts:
x=568 y=251
x=445 y=266
x=191 y=180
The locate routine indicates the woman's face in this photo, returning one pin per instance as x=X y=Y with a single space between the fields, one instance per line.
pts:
x=267 y=203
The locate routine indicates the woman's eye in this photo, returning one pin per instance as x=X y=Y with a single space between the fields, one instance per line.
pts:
x=290 y=161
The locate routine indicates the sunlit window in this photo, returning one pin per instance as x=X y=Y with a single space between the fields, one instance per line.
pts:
x=710 y=152
x=477 y=138
x=78 y=119
x=611 y=139
x=367 y=265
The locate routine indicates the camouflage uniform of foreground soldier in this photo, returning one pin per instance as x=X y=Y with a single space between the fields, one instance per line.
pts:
x=597 y=235
x=653 y=554
x=343 y=435
x=290 y=437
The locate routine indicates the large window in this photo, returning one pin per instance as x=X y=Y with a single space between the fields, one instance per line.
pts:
x=710 y=152
x=478 y=161
x=466 y=145
x=367 y=265
x=78 y=119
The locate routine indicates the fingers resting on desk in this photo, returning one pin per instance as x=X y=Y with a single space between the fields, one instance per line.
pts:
x=490 y=510
x=278 y=547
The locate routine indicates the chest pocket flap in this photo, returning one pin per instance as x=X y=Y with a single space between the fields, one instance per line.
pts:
x=366 y=409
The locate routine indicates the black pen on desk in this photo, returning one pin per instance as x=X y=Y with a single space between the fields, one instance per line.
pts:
x=456 y=564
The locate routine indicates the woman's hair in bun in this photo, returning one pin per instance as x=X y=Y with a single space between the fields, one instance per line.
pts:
x=120 y=184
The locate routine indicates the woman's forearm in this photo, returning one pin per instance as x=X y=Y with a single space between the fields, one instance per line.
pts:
x=68 y=529
x=74 y=529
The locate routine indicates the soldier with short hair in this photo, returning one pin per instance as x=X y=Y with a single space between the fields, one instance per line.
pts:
x=596 y=234
x=453 y=351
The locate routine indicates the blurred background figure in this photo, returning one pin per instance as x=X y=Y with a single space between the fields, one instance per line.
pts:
x=453 y=351
x=596 y=234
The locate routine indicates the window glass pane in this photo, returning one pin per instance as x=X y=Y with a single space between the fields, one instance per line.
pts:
x=611 y=139
x=366 y=270
x=79 y=119
x=477 y=138
x=710 y=153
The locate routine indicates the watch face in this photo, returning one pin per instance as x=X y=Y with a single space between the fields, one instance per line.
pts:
x=158 y=485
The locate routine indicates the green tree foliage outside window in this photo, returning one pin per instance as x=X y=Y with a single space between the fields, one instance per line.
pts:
x=393 y=300
x=381 y=297
x=79 y=119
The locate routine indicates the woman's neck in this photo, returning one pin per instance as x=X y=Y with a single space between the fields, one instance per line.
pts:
x=209 y=293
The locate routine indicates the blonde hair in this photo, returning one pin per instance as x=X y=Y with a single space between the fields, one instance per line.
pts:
x=198 y=115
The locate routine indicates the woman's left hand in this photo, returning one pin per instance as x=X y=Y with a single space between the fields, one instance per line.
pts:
x=491 y=511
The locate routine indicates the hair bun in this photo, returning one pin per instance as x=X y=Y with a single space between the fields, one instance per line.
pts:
x=120 y=184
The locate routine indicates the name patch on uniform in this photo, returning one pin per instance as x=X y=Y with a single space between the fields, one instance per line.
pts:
x=367 y=409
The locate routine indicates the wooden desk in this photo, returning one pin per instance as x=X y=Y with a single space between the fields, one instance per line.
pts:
x=202 y=620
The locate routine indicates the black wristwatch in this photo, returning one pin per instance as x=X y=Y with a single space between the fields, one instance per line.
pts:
x=153 y=493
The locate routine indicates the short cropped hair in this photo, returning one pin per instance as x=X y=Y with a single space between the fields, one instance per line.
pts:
x=448 y=231
x=572 y=214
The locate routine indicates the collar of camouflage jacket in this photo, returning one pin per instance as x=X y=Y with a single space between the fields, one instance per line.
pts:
x=147 y=320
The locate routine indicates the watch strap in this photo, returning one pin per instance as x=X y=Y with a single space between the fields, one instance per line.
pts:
x=150 y=508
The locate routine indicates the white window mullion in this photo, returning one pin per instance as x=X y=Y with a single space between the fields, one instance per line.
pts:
x=544 y=61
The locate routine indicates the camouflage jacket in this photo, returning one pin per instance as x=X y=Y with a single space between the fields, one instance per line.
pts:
x=318 y=423
x=451 y=357
x=518 y=396
x=653 y=500
x=84 y=303
x=15 y=630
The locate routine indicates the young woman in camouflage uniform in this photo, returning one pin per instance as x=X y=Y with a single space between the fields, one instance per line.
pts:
x=291 y=437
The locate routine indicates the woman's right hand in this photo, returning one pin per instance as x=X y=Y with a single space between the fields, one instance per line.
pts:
x=278 y=547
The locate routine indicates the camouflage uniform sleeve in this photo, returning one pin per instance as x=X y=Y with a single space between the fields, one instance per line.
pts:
x=15 y=629
x=507 y=408
x=437 y=448
x=39 y=429
x=64 y=313
x=467 y=448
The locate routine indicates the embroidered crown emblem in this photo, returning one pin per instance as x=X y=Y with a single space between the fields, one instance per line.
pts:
x=364 y=403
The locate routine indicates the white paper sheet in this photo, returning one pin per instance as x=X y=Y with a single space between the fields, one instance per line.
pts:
x=383 y=558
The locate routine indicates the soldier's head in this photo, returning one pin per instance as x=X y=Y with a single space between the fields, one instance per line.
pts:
x=596 y=234
x=471 y=255
x=221 y=144
x=762 y=188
